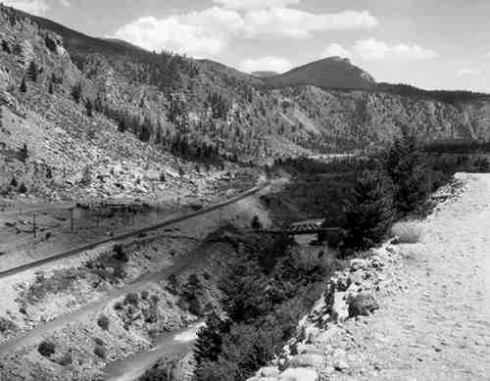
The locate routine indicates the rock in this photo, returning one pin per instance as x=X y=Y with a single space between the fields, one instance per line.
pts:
x=358 y=264
x=356 y=277
x=299 y=374
x=307 y=361
x=269 y=372
x=340 y=308
x=362 y=305
x=339 y=360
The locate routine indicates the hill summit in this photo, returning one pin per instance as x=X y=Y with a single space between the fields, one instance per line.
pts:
x=331 y=72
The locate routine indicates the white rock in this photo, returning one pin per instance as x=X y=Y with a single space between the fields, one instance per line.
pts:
x=299 y=374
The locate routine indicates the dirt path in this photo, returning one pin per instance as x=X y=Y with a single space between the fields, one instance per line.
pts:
x=438 y=326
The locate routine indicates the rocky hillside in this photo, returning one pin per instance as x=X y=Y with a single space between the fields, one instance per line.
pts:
x=97 y=110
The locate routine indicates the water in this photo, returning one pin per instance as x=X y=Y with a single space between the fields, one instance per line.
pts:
x=173 y=345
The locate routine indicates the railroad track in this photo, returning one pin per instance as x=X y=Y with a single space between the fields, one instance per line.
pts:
x=134 y=233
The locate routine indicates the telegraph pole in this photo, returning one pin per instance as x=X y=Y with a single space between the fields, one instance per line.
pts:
x=71 y=219
x=34 y=224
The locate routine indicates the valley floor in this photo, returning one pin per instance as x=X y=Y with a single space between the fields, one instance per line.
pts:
x=438 y=326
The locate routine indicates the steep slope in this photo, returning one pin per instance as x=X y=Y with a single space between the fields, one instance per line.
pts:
x=165 y=106
x=332 y=72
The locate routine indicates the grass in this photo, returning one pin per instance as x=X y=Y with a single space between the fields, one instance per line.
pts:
x=408 y=232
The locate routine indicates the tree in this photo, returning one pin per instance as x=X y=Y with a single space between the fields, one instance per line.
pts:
x=405 y=167
x=32 y=71
x=256 y=224
x=76 y=92
x=89 y=108
x=369 y=214
x=23 y=153
x=23 y=86
x=6 y=47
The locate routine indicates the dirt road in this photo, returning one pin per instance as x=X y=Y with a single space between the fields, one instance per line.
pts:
x=438 y=326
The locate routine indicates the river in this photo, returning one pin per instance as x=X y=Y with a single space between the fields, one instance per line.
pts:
x=173 y=345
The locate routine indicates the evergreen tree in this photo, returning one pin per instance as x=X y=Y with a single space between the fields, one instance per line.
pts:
x=6 y=47
x=405 y=167
x=23 y=153
x=23 y=86
x=369 y=213
x=51 y=87
x=76 y=92
x=89 y=108
x=32 y=71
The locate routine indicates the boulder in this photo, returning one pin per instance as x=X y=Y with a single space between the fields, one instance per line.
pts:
x=269 y=372
x=299 y=374
x=340 y=308
x=307 y=361
x=362 y=305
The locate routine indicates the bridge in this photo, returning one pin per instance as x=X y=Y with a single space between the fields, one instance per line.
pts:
x=306 y=228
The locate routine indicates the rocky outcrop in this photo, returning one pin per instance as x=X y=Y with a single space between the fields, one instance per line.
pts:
x=318 y=350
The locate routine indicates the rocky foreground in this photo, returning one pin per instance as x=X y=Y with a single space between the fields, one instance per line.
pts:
x=409 y=311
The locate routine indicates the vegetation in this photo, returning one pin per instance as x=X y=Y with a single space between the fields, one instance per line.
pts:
x=262 y=304
x=369 y=213
x=46 y=348
x=103 y=322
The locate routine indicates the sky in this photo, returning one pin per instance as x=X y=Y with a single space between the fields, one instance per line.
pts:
x=433 y=44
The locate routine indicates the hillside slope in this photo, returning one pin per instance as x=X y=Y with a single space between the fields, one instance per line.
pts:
x=332 y=72
x=107 y=114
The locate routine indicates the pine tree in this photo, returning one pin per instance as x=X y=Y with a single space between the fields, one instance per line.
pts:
x=32 y=71
x=51 y=87
x=89 y=108
x=369 y=213
x=407 y=171
x=23 y=86
x=6 y=47
x=76 y=92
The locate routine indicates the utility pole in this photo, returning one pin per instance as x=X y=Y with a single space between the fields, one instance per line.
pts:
x=34 y=224
x=71 y=219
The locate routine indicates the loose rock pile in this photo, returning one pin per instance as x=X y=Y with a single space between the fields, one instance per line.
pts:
x=317 y=351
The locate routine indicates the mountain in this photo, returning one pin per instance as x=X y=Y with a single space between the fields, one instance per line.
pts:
x=265 y=74
x=332 y=72
x=89 y=109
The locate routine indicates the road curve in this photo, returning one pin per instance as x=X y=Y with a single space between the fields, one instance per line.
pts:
x=92 y=246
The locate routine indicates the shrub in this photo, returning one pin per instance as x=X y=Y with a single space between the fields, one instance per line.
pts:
x=103 y=322
x=100 y=351
x=120 y=254
x=22 y=189
x=7 y=325
x=132 y=299
x=46 y=348
x=256 y=225
x=407 y=232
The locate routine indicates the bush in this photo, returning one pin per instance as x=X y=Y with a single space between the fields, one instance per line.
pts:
x=7 y=325
x=22 y=189
x=65 y=360
x=369 y=214
x=407 y=232
x=103 y=322
x=120 y=254
x=100 y=351
x=132 y=299
x=46 y=348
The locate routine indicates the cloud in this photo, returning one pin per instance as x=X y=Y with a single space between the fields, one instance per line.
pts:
x=36 y=7
x=467 y=71
x=204 y=33
x=372 y=49
x=208 y=32
x=336 y=50
x=255 y=4
x=268 y=63
x=295 y=23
